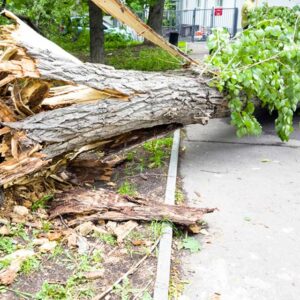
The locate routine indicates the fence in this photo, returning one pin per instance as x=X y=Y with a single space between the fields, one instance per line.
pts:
x=197 y=24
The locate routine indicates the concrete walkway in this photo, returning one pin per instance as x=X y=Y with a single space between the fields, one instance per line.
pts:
x=253 y=247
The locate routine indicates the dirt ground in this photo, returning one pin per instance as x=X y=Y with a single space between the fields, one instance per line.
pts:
x=82 y=262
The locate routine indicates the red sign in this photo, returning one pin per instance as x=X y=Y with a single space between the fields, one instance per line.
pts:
x=218 y=11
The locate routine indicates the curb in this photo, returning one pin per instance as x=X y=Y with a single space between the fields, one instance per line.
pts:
x=161 y=287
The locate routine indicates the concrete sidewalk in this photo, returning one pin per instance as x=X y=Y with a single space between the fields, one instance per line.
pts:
x=253 y=247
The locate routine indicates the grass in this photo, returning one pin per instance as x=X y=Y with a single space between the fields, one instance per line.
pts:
x=6 y=245
x=143 y=58
x=124 y=290
x=179 y=197
x=97 y=256
x=107 y=238
x=30 y=265
x=127 y=188
x=41 y=203
x=84 y=263
x=159 y=150
x=46 y=226
x=19 y=231
x=122 y=53
x=51 y=292
x=4 y=263
x=58 y=251
x=156 y=229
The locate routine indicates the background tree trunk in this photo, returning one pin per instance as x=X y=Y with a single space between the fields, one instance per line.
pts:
x=96 y=33
x=156 y=11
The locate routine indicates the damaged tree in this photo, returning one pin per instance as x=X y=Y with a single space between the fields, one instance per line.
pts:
x=46 y=126
x=55 y=110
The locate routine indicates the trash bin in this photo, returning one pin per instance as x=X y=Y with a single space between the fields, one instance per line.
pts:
x=173 y=38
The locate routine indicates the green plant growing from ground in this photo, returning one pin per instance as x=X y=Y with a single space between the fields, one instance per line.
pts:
x=7 y=245
x=107 y=238
x=261 y=63
x=41 y=203
x=127 y=188
x=159 y=151
x=30 y=265
x=179 y=196
x=46 y=226
x=156 y=228
x=124 y=290
x=51 y=292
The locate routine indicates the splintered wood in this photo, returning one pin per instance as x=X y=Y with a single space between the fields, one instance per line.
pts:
x=66 y=122
x=51 y=113
x=88 y=205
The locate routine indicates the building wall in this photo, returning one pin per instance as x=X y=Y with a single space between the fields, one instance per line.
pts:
x=203 y=17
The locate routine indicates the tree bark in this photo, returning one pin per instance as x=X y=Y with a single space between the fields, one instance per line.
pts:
x=132 y=104
x=107 y=205
x=96 y=33
x=155 y=18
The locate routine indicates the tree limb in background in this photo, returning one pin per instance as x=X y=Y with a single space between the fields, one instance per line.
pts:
x=122 y=13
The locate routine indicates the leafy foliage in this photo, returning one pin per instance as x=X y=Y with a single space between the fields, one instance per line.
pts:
x=51 y=291
x=262 y=62
x=127 y=188
x=30 y=265
x=6 y=245
x=159 y=150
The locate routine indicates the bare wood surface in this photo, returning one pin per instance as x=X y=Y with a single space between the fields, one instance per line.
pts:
x=102 y=204
x=94 y=107
x=122 y=13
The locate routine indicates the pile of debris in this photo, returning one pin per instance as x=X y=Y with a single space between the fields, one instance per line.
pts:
x=60 y=116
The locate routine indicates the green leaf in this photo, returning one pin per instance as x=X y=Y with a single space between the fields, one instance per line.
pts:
x=190 y=243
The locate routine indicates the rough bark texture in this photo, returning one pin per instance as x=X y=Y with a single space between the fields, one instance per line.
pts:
x=96 y=33
x=168 y=100
x=155 y=18
x=131 y=104
x=106 y=205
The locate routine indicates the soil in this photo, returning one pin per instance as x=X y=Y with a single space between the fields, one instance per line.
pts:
x=145 y=173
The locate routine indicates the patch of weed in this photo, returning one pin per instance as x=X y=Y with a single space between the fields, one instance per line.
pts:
x=4 y=263
x=179 y=197
x=156 y=229
x=51 y=291
x=30 y=265
x=19 y=231
x=124 y=290
x=6 y=245
x=84 y=264
x=107 y=238
x=58 y=251
x=158 y=150
x=97 y=256
x=41 y=203
x=127 y=188
x=46 y=226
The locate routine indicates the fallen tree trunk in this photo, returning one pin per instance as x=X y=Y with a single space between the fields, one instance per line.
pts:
x=122 y=106
x=88 y=205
